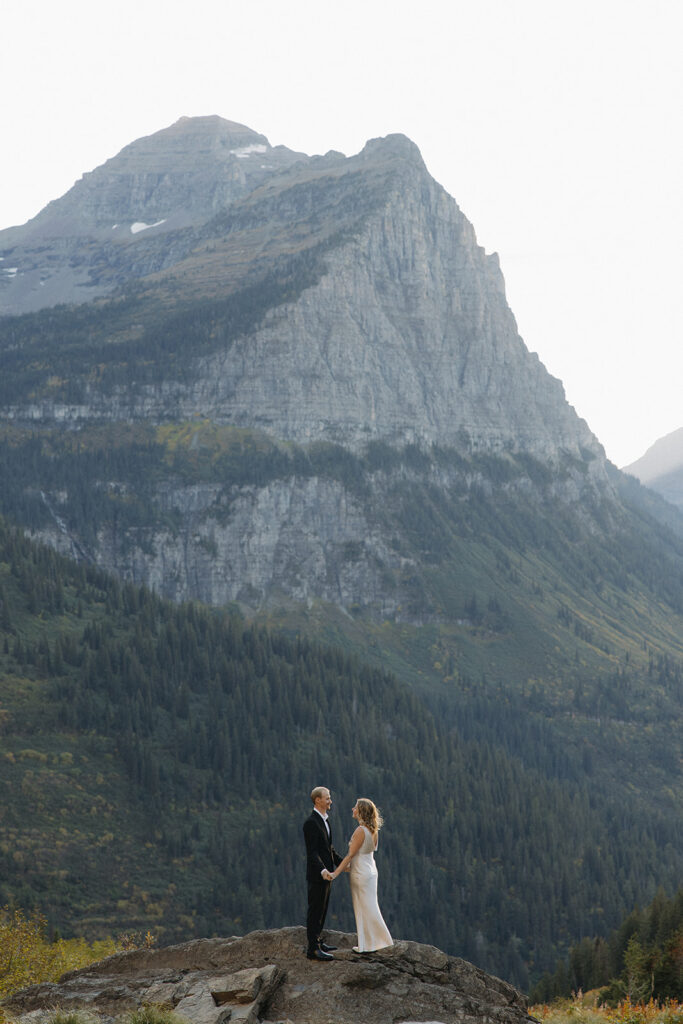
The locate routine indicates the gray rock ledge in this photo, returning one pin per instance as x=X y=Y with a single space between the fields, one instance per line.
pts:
x=265 y=977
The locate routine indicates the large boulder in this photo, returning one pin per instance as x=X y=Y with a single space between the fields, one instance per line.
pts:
x=265 y=976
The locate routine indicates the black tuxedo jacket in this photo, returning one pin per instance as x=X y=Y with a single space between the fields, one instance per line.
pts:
x=320 y=853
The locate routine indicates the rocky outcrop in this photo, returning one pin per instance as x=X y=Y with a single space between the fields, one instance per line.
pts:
x=266 y=977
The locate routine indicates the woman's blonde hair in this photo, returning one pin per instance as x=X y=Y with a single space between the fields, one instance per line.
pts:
x=369 y=815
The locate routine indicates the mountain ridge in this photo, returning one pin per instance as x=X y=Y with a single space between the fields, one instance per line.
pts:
x=661 y=467
x=151 y=175
x=411 y=335
x=288 y=353
x=169 y=181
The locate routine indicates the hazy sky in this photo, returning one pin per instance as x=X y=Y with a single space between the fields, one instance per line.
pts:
x=555 y=125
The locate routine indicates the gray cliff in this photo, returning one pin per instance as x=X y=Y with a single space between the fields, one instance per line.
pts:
x=396 y=331
x=407 y=335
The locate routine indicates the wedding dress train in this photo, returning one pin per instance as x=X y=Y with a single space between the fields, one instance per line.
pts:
x=372 y=931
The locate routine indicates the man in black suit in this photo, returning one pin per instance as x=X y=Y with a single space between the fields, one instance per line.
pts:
x=321 y=859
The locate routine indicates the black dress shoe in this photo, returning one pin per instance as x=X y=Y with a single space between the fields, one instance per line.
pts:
x=317 y=954
x=325 y=948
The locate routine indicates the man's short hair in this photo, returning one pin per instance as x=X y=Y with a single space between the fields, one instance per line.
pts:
x=318 y=791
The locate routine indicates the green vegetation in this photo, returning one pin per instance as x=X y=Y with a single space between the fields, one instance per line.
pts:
x=154 y=1015
x=155 y=761
x=71 y=1017
x=640 y=961
x=524 y=585
x=29 y=957
x=60 y=353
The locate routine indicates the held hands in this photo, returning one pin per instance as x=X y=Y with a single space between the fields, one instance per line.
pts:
x=328 y=876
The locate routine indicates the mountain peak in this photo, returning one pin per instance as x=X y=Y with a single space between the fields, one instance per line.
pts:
x=661 y=467
x=664 y=456
x=396 y=142
x=403 y=333
x=391 y=146
x=210 y=121
x=201 y=130
x=179 y=176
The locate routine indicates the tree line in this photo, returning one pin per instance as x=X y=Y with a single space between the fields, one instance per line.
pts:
x=640 y=960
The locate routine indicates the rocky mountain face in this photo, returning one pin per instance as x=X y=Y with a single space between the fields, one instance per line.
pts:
x=264 y=977
x=322 y=359
x=107 y=227
x=298 y=536
x=661 y=467
x=404 y=336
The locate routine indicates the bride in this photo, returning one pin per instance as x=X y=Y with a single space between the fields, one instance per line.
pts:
x=360 y=862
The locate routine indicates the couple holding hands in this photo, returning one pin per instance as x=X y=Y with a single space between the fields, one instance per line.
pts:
x=323 y=865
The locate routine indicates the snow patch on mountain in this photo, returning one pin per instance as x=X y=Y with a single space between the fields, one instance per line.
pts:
x=141 y=226
x=246 y=151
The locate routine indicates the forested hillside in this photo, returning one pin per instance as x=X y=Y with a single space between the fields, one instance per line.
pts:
x=642 y=959
x=155 y=762
x=457 y=565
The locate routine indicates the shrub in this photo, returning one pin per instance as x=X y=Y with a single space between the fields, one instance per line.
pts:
x=153 y=1015
x=72 y=1017
x=27 y=957
x=576 y=1011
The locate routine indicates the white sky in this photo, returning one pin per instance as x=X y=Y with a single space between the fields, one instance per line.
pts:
x=556 y=127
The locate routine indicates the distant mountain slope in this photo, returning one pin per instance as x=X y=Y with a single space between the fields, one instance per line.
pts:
x=661 y=467
x=155 y=762
x=503 y=560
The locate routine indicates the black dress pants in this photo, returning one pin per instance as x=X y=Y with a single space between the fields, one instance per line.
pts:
x=318 y=898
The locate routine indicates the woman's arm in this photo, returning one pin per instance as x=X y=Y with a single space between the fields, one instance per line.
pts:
x=355 y=844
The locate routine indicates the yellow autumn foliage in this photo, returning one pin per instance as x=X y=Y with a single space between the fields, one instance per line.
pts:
x=582 y=1010
x=27 y=957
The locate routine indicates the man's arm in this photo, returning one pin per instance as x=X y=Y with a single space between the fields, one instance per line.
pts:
x=312 y=837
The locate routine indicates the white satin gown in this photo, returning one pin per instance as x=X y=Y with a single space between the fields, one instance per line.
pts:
x=372 y=931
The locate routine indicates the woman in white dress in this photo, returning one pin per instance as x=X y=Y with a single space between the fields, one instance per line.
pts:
x=360 y=862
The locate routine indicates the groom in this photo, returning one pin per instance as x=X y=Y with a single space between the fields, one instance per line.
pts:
x=321 y=859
